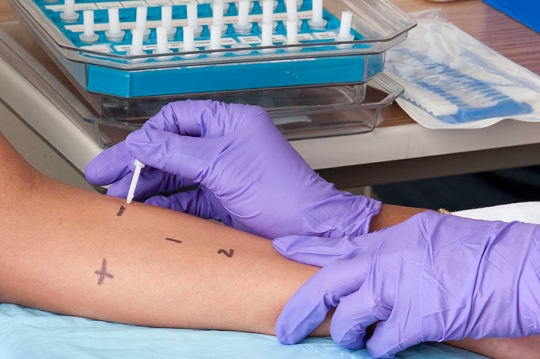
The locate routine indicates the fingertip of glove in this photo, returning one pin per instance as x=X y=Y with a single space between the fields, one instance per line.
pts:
x=284 y=336
x=94 y=173
x=351 y=341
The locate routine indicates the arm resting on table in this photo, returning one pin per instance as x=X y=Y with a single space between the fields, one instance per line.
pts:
x=79 y=253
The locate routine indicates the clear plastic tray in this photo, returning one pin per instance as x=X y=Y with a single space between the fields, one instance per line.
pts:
x=363 y=117
x=107 y=68
x=352 y=119
x=278 y=102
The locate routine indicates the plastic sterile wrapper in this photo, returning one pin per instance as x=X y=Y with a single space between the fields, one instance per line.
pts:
x=452 y=80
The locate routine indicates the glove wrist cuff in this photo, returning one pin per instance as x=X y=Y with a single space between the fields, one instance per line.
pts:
x=357 y=220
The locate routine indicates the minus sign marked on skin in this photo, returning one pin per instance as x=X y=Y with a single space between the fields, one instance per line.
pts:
x=121 y=211
x=173 y=240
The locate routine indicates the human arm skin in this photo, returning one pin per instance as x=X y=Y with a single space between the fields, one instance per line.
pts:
x=391 y=215
x=53 y=238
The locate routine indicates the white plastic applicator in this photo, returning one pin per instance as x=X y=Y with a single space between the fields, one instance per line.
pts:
x=69 y=14
x=136 y=45
x=275 y=4
x=317 y=22
x=215 y=40
x=292 y=36
x=140 y=21
x=345 y=27
x=243 y=26
x=292 y=14
x=189 y=42
x=223 y=9
x=166 y=21
x=268 y=13
x=134 y=180
x=266 y=37
x=88 y=22
x=114 y=33
x=162 y=44
x=217 y=16
x=193 y=19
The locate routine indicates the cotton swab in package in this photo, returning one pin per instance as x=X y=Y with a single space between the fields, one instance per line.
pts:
x=452 y=80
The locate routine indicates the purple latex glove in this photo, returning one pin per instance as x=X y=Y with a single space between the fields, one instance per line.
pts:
x=431 y=278
x=248 y=175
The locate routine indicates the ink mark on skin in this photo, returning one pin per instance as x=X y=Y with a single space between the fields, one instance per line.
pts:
x=103 y=272
x=121 y=211
x=173 y=240
x=229 y=254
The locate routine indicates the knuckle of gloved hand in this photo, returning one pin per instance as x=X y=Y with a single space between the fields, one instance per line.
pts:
x=256 y=114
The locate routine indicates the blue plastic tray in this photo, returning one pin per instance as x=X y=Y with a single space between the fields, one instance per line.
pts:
x=524 y=11
x=106 y=68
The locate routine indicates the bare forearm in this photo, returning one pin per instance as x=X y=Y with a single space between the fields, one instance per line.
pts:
x=391 y=215
x=500 y=348
x=73 y=252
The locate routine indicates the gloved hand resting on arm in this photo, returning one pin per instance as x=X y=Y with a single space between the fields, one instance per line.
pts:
x=431 y=278
x=248 y=175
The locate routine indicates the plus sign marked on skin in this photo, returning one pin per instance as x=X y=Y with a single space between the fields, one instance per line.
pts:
x=103 y=272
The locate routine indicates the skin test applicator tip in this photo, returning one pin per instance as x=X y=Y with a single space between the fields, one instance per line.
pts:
x=134 y=180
